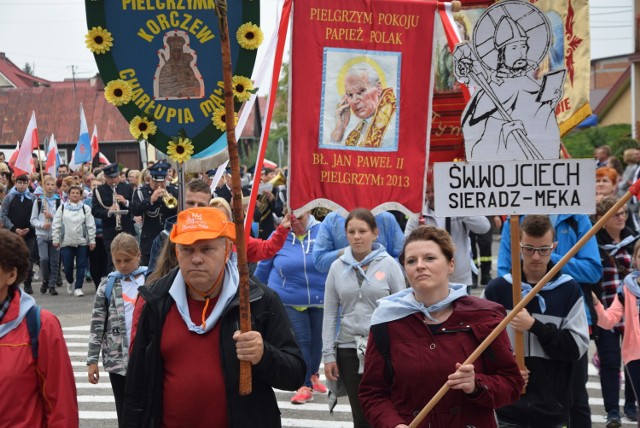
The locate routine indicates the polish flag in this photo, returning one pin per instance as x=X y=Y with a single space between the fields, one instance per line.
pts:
x=14 y=155
x=94 y=142
x=53 y=158
x=24 y=161
x=103 y=159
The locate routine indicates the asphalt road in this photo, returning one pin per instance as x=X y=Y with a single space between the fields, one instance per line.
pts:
x=96 y=402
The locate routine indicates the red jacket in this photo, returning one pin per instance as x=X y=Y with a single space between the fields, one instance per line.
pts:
x=258 y=249
x=36 y=396
x=422 y=361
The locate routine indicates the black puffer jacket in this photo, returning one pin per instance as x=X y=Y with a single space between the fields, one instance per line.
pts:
x=282 y=365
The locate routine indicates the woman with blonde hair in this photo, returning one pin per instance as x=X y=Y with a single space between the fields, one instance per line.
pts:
x=112 y=317
x=167 y=260
x=133 y=178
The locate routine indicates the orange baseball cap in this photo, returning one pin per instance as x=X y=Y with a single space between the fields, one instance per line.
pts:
x=196 y=224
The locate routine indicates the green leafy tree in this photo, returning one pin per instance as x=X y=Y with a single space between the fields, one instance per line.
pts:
x=280 y=120
x=28 y=68
x=279 y=127
x=581 y=142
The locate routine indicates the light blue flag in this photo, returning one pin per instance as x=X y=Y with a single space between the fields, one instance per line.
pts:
x=82 y=152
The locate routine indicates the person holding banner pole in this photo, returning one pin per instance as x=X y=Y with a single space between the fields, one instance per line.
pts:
x=585 y=267
x=425 y=333
x=555 y=331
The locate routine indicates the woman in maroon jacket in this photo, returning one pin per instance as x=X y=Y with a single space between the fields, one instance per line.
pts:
x=426 y=332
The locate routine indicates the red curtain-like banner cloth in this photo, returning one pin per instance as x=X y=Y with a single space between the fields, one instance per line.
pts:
x=361 y=85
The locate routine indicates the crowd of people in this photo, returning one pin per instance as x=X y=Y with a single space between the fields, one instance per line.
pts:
x=383 y=302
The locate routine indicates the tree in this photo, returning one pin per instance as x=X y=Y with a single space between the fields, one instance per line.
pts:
x=280 y=119
x=581 y=142
x=28 y=68
x=279 y=125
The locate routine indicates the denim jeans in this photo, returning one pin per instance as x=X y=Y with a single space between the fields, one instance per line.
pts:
x=608 y=345
x=307 y=328
x=49 y=261
x=80 y=255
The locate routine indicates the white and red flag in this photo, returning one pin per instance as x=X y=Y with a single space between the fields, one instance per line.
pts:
x=53 y=157
x=14 y=155
x=103 y=159
x=24 y=161
x=94 y=142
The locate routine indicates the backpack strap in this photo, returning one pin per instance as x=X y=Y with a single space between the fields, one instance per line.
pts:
x=380 y=333
x=111 y=280
x=33 y=325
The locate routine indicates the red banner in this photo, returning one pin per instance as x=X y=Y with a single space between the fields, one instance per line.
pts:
x=361 y=85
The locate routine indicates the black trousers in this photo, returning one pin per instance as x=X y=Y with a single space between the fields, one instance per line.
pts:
x=117 y=385
x=348 y=365
x=579 y=410
x=98 y=262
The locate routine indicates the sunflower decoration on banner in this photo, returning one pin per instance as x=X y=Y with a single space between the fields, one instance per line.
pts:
x=162 y=68
x=250 y=36
x=142 y=128
x=242 y=88
x=180 y=150
x=220 y=119
x=99 y=40
x=118 y=92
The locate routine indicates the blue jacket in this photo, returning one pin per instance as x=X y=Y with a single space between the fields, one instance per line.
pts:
x=332 y=238
x=292 y=274
x=584 y=267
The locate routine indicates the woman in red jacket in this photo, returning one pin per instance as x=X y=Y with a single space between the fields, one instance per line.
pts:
x=34 y=392
x=429 y=330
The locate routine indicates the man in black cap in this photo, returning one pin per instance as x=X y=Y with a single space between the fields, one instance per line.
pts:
x=103 y=207
x=208 y=178
x=149 y=202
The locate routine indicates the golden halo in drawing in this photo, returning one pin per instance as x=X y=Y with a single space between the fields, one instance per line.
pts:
x=353 y=61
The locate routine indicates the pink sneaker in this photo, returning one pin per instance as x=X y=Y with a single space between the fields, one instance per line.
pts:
x=303 y=395
x=317 y=385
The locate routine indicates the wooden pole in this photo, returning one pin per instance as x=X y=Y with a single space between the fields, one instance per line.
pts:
x=516 y=285
x=236 y=189
x=633 y=191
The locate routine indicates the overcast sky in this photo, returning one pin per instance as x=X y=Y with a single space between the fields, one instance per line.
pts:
x=50 y=33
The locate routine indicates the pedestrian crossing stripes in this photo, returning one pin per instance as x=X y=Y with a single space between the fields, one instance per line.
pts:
x=97 y=406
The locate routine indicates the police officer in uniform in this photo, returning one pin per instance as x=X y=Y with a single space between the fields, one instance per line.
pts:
x=149 y=202
x=102 y=204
